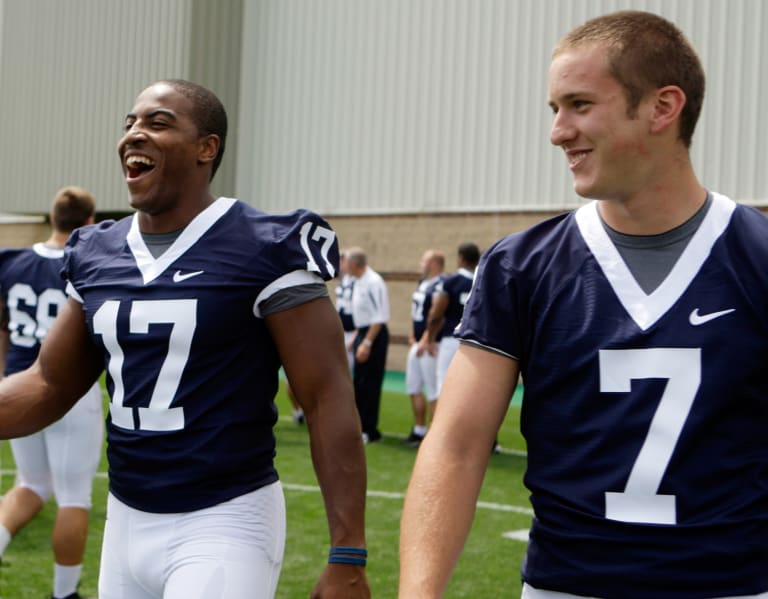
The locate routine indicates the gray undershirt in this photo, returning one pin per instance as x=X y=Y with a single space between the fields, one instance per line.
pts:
x=285 y=299
x=157 y=243
x=650 y=258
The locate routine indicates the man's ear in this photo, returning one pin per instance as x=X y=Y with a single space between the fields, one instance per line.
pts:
x=668 y=104
x=208 y=148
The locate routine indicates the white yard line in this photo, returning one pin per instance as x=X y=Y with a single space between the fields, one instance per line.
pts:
x=499 y=507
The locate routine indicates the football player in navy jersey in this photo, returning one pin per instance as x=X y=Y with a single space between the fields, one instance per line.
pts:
x=343 y=293
x=61 y=459
x=639 y=325
x=421 y=364
x=447 y=307
x=191 y=305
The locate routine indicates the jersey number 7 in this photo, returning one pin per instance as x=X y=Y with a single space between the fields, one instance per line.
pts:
x=640 y=501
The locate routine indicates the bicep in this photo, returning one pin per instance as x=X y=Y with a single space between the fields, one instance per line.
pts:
x=439 y=305
x=69 y=362
x=310 y=342
x=476 y=393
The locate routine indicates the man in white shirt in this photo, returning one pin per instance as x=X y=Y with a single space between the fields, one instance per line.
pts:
x=370 y=313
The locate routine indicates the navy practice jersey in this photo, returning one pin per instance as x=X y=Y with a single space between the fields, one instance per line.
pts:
x=192 y=371
x=33 y=292
x=645 y=415
x=421 y=302
x=344 y=301
x=457 y=287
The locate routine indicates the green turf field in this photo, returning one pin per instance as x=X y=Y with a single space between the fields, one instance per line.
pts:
x=489 y=567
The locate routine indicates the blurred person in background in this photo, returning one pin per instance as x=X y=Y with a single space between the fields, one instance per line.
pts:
x=61 y=459
x=421 y=364
x=370 y=313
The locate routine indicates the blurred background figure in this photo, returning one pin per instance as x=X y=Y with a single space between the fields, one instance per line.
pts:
x=344 y=305
x=448 y=307
x=421 y=364
x=370 y=313
x=61 y=459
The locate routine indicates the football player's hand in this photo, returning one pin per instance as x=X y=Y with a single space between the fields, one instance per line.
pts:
x=342 y=581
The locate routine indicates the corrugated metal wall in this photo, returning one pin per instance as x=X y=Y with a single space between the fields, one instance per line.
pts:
x=349 y=106
x=371 y=106
x=69 y=72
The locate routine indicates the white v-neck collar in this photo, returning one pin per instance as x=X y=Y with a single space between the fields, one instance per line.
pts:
x=646 y=309
x=152 y=268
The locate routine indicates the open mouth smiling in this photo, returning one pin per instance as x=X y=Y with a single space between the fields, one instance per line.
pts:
x=137 y=164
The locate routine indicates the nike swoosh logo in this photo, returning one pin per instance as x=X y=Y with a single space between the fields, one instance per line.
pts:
x=178 y=277
x=696 y=319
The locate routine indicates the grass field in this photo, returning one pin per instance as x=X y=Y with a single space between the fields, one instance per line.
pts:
x=489 y=567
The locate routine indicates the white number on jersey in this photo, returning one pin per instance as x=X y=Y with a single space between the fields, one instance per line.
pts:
x=417 y=305
x=182 y=314
x=25 y=330
x=640 y=501
x=321 y=233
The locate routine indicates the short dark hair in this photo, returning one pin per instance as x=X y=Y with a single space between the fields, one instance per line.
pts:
x=72 y=207
x=645 y=52
x=356 y=256
x=469 y=253
x=208 y=113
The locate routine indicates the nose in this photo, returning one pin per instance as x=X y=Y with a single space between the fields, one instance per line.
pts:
x=562 y=130
x=131 y=136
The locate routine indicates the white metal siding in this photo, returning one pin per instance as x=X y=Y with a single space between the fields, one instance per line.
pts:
x=69 y=72
x=349 y=106
x=372 y=106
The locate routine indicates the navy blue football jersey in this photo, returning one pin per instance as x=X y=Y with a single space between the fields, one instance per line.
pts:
x=421 y=302
x=192 y=371
x=33 y=292
x=344 y=301
x=645 y=415
x=457 y=287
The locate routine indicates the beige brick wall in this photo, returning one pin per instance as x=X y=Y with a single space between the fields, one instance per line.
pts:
x=22 y=234
x=394 y=245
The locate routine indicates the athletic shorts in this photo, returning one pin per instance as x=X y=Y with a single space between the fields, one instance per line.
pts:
x=421 y=373
x=63 y=457
x=228 y=551
x=445 y=351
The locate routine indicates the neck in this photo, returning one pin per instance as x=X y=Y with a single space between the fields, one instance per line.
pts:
x=667 y=201
x=177 y=218
x=57 y=239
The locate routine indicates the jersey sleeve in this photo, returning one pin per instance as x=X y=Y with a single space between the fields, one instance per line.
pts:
x=302 y=249
x=73 y=271
x=491 y=316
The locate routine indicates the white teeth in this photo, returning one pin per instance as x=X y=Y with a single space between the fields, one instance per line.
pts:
x=575 y=159
x=135 y=159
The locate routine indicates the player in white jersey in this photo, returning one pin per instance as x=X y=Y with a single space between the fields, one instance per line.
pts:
x=191 y=305
x=62 y=458
x=639 y=324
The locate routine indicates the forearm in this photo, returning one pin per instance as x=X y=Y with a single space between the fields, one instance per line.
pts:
x=372 y=332
x=339 y=461
x=4 y=346
x=67 y=365
x=437 y=517
x=27 y=404
x=452 y=460
x=436 y=317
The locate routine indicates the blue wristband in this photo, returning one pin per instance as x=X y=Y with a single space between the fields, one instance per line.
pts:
x=354 y=556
